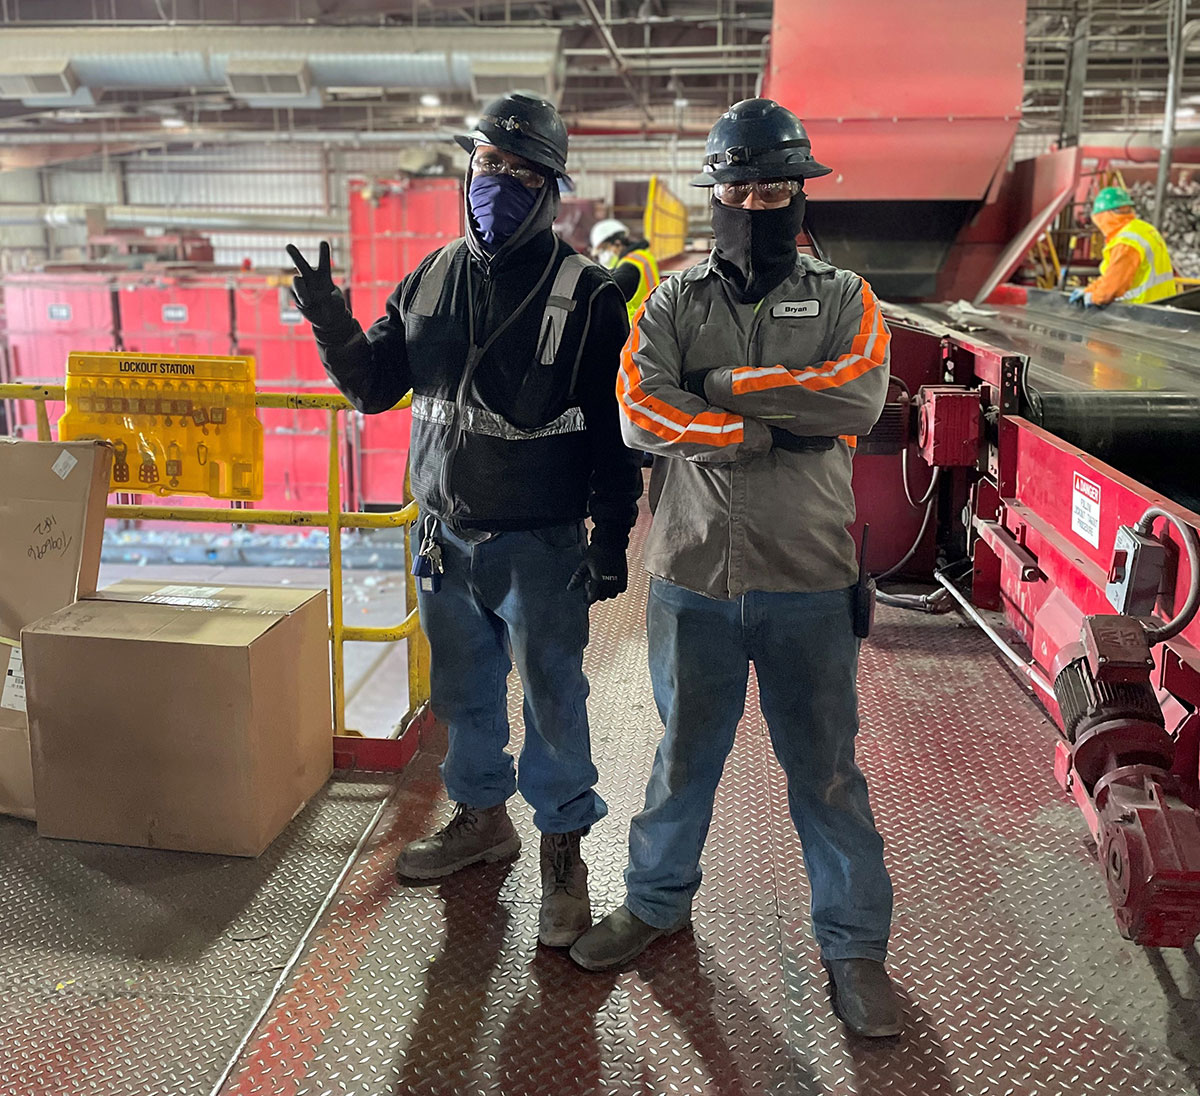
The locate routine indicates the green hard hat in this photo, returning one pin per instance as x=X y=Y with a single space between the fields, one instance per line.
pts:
x=1111 y=197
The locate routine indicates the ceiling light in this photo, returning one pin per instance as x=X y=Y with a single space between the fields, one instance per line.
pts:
x=429 y=99
x=680 y=103
x=173 y=123
x=1186 y=112
x=471 y=120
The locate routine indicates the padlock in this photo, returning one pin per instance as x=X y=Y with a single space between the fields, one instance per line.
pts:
x=429 y=579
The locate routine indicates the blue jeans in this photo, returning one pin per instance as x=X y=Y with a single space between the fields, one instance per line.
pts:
x=806 y=655
x=509 y=594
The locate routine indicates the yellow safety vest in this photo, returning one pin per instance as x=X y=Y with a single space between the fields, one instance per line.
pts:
x=1155 y=278
x=648 y=278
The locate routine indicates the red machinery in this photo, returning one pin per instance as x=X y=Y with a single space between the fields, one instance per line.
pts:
x=176 y=310
x=917 y=128
x=1095 y=571
x=1049 y=459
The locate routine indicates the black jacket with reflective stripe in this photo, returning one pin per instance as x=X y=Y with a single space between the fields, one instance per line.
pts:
x=530 y=444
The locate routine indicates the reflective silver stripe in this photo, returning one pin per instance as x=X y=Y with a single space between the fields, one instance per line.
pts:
x=1146 y=244
x=559 y=305
x=479 y=420
x=429 y=291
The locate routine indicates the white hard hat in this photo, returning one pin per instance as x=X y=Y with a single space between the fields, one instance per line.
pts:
x=605 y=230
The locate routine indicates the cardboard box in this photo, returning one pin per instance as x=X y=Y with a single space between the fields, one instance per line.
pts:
x=52 y=503
x=180 y=717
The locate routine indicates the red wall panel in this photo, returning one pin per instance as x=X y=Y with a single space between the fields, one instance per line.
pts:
x=48 y=315
x=393 y=226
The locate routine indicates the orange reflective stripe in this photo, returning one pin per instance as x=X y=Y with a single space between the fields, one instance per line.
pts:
x=639 y=262
x=713 y=428
x=868 y=349
x=646 y=267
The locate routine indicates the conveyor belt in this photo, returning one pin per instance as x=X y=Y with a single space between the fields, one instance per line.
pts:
x=1121 y=348
x=1122 y=383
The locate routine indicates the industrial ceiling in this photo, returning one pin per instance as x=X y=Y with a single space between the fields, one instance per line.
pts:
x=80 y=76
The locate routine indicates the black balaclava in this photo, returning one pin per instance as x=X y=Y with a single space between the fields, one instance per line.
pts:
x=755 y=249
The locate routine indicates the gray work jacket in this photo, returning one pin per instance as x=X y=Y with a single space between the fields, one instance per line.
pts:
x=731 y=513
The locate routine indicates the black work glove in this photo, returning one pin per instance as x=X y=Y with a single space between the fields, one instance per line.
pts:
x=798 y=443
x=603 y=572
x=319 y=300
x=694 y=382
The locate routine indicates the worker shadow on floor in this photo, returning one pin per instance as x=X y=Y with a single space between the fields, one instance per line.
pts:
x=876 y=1063
x=441 y=1054
x=503 y=1013
x=1181 y=991
x=742 y=1051
x=610 y=1034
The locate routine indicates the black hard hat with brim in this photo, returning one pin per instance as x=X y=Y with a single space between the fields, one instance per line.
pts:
x=758 y=139
x=527 y=126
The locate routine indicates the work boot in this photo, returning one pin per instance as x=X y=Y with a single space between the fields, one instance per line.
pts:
x=619 y=938
x=863 y=996
x=471 y=836
x=566 y=909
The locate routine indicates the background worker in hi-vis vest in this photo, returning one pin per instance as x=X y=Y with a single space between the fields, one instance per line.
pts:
x=632 y=265
x=1136 y=266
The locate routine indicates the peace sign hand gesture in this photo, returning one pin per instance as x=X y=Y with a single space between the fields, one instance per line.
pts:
x=316 y=295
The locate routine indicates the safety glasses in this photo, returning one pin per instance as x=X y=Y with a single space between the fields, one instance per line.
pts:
x=487 y=164
x=769 y=191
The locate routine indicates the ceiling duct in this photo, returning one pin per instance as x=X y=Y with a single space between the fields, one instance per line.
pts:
x=268 y=82
x=50 y=81
x=277 y=66
x=491 y=78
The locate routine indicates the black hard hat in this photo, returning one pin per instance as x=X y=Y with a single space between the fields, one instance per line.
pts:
x=758 y=139
x=526 y=125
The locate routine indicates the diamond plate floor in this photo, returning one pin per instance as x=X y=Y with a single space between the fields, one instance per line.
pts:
x=1013 y=978
x=131 y=972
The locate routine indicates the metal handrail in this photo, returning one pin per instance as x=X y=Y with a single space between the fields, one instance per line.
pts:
x=333 y=519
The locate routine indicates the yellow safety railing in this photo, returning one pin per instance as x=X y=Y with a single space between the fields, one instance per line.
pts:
x=333 y=519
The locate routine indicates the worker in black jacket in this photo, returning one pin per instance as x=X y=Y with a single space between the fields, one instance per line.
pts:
x=510 y=343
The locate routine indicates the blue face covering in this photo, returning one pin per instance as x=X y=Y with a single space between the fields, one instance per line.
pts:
x=500 y=205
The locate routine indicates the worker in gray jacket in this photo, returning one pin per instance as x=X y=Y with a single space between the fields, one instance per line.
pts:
x=749 y=376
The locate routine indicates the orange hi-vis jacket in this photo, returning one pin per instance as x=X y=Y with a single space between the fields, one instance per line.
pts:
x=1136 y=266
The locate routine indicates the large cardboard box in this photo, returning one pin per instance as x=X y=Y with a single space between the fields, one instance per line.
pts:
x=180 y=717
x=52 y=504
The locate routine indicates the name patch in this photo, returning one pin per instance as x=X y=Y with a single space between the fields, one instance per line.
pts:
x=796 y=310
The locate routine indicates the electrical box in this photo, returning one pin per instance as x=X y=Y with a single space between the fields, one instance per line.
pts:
x=1136 y=573
x=178 y=425
x=1117 y=649
x=950 y=426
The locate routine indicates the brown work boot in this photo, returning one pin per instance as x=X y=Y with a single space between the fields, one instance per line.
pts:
x=470 y=837
x=863 y=997
x=566 y=909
